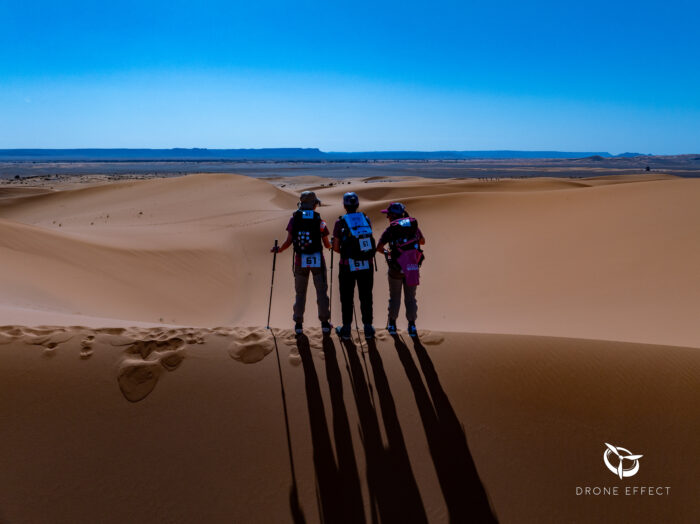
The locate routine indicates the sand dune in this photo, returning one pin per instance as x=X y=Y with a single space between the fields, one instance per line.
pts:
x=585 y=259
x=139 y=386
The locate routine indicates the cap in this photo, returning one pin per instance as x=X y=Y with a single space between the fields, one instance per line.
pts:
x=395 y=208
x=307 y=200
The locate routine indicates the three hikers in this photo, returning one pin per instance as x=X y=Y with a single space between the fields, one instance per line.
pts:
x=354 y=241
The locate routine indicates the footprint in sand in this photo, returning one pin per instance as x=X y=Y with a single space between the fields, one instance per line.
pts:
x=250 y=345
x=288 y=336
x=190 y=335
x=431 y=339
x=147 y=347
x=13 y=332
x=222 y=331
x=171 y=360
x=119 y=340
x=86 y=347
x=147 y=360
x=314 y=335
x=195 y=336
x=48 y=338
x=138 y=378
x=294 y=356
x=110 y=331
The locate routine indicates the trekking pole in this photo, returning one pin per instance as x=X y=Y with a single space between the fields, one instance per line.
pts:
x=272 y=284
x=330 y=300
x=297 y=514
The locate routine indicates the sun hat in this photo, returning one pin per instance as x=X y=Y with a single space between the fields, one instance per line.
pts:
x=307 y=200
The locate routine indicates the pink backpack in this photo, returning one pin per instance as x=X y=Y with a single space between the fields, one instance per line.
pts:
x=410 y=266
x=406 y=249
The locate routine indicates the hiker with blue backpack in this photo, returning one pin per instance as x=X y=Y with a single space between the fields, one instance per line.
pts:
x=309 y=235
x=353 y=240
x=404 y=258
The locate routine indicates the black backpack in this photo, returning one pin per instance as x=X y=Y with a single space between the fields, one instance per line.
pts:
x=306 y=231
x=356 y=242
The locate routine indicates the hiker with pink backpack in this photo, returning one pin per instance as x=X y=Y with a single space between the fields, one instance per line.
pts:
x=404 y=257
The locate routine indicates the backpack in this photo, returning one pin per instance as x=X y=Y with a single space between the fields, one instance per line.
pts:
x=306 y=231
x=406 y=254
x=356 y=242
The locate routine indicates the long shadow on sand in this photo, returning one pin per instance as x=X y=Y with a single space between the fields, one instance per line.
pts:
x=461 y=486
x=393 y=491
x=392 y=486
x=294 y=507
x=337 y=483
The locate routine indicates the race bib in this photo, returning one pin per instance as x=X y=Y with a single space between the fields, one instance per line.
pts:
x=313 y=260
x=365 y=244
x=358 y=265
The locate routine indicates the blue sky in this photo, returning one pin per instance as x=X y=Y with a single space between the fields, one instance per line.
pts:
x=351 y=76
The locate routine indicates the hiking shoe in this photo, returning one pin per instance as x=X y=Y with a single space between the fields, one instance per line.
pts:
x=391 y=327
x=369 y=331
x=326 y=326
x=412 y=331
x=344 y=332
x=298 y=328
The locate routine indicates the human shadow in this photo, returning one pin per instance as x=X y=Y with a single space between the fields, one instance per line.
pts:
x=464 y=494
x=294 y=506
x=394 y=494
x=349 y=480
x=337 y=483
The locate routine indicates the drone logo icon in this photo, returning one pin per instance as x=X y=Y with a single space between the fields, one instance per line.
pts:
x=622 y=455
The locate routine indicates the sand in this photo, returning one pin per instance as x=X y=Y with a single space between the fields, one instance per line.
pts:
x=139 y=383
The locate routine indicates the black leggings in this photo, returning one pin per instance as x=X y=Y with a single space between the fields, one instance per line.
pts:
x=365 y=281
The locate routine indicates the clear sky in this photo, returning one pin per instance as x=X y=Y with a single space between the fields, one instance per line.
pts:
x=352 y=76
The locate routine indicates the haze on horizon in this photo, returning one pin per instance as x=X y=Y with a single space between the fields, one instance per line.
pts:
x=542 y=75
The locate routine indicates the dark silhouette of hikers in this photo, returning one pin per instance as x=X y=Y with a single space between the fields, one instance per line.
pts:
x=393 y=491
x=464 y=494
x=338 y=482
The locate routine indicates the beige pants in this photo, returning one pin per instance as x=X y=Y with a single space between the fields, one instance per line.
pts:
x=397 y=282
x=301 y=283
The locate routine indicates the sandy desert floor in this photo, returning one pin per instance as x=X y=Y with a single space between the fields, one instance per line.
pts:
x=139 y=384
